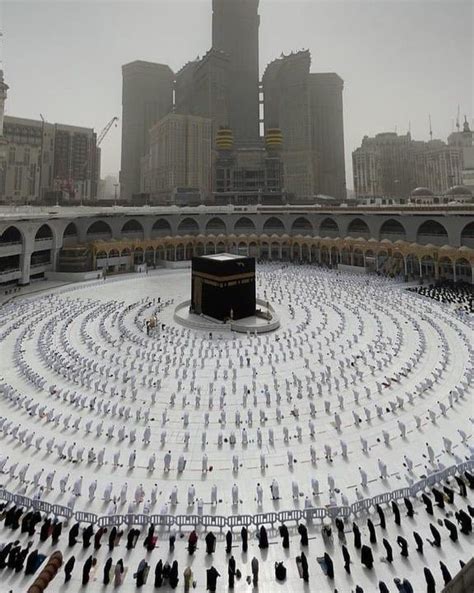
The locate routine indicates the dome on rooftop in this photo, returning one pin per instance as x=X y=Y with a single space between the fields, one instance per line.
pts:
x=420 y=192
x=459 y=190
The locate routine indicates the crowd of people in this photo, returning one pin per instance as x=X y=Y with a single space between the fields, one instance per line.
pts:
x=363 y=389
x=459 y=295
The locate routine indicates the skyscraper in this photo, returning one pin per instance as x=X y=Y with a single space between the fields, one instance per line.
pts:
x=147 y=96
x=235 y=26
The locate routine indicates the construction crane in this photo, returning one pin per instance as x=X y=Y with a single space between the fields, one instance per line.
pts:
x=101 y=136
x=105 y=131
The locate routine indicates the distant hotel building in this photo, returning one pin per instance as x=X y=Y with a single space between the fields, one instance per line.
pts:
x=179 y=156
x=223 y=86
x=43 y=159
x=391 y=165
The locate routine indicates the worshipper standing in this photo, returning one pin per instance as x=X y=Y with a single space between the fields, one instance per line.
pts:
x=107 y=568
x=188 y=579
x=328 y=563
x=211 y=580
x=174 y=578
x=366 y=557
x=255 y=566
x=142 y=573
x=244 y=534
x=159 y=573
x=231 y=569
x=303 y=531
x=285 y=536
x=388 y=549
x=228 y=542
x=347 y=559
x=445 y=572
x=192 y=541
x=357 y=537
x=210 y=540
x=430 y=581
x=86 y=569
x=119 y=573
x=262 y=538
x=304 y=567
x=68 y=568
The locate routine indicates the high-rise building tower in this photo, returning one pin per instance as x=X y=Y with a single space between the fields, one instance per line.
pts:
x=235 y=25
x=3 y=98
x=147 y=96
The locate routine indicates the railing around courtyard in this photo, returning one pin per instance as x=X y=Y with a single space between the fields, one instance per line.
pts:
x=220 y=521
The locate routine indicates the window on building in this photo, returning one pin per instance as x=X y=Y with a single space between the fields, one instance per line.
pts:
x=18 y=177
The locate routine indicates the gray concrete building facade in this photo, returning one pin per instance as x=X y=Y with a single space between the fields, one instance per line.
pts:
x=147 y=96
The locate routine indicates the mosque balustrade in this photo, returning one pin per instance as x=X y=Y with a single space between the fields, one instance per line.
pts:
x=310 y=514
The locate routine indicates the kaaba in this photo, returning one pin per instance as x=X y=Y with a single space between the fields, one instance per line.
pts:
x=223 y=286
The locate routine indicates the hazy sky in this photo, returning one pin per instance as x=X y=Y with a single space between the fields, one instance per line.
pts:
x=400 y=60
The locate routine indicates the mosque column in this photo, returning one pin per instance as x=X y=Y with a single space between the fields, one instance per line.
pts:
x=405 y=267
x=454 y=271
x=436 y=270
x=25 y=264
x=421 y=268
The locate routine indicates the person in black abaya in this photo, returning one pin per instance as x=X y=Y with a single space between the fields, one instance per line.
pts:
x=263 y=538
x=464 y=520
x=430 y=581
x=86 y=569
x=244 y=535
x=462 y=486
x=388 y=549
x=210 y=540
x=329 y=566
x=409 y=507
x=373 y=535
x=73 y=534
x=428 y=503
x=445 y=572
x=231 y=572
x=285 y=536
x=56 y=533
x=211 y=579
x=112 y=538
x=68 y=568
x=403 y=545
x=159 y=573
x=347 y=559
x=32 y=562
x=383 y=587
x=396 y=513
x=107 y=567
x=357 y=538
x=366 y=556
x=303 y=531
x=44 y=531
x=87 y=534
x=453 y=531
x=228 y=542
x=304 y=567
x=419 y=542
x=174 y=578
x=381 y=515
x=436 y=536
x=439 y=497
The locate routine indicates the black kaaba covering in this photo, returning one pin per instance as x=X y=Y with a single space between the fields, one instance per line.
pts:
x=223 y=286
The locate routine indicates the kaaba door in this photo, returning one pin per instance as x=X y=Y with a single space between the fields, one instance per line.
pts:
x=197 y=296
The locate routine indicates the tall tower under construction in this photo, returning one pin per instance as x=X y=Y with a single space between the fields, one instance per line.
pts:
x=235 y=26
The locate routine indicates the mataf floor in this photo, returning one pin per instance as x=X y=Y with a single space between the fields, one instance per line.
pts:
x=362 y=379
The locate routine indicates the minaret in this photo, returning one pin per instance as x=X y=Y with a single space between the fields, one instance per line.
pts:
x=3 y=98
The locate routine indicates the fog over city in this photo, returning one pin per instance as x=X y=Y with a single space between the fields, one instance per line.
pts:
x=400 y=61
